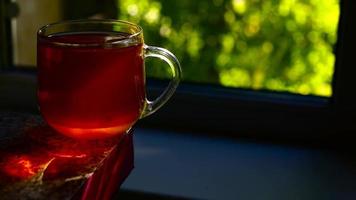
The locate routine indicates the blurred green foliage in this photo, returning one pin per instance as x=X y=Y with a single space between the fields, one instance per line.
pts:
x=284 y=45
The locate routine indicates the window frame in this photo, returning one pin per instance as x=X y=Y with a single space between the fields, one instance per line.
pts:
x=6 y=56
x=220 y=111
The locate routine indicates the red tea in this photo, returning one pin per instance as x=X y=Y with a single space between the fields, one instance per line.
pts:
x=91 y=85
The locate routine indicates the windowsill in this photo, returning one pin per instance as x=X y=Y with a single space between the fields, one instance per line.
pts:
x=176 y=164
x=215 y=168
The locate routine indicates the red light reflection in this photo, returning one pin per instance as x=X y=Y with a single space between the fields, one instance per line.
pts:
x=61 y=155
x=42 y=150
x=20 y=167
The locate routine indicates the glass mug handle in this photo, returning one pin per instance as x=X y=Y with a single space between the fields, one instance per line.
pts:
x=172 y=61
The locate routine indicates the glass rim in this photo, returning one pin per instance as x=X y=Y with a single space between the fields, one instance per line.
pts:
x=138 y=31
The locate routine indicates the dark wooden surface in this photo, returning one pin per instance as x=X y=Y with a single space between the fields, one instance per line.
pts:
x=38 y=163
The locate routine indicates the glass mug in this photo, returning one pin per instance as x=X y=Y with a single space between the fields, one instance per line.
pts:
x=91 y=77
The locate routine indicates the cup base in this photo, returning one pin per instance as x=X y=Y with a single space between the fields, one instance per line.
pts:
x=91 y=133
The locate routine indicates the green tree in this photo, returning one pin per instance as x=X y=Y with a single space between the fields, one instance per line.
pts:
x=283 y=45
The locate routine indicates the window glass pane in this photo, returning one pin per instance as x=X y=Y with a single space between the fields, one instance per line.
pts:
x=283 y=45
